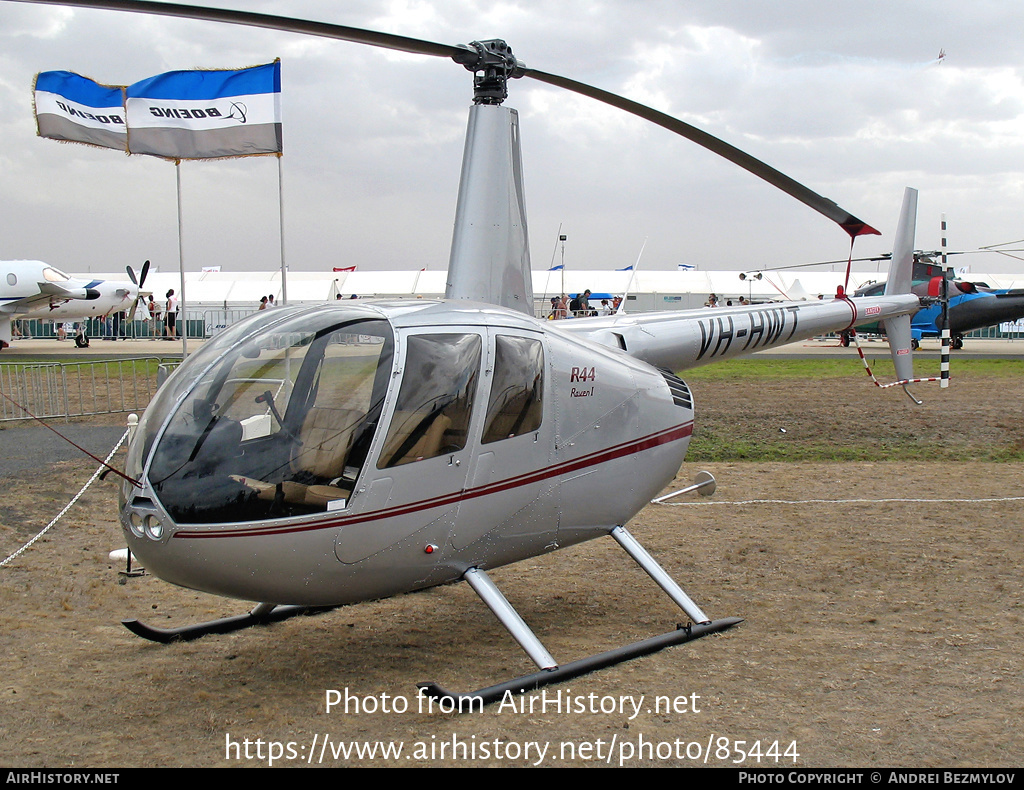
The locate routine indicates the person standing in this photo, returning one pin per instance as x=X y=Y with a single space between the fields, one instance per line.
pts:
x=171 y=311
x=154 y=317
x=585 y=310
x=575 y=306
x=116 y=325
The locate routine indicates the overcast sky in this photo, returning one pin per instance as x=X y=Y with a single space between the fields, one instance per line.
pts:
x=848 y=98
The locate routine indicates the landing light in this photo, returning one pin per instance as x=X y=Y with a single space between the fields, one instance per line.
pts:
x=153 y=527
x=136 y=524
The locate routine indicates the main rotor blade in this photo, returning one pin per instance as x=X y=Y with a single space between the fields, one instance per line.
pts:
x=269 y=21
x=823 y=205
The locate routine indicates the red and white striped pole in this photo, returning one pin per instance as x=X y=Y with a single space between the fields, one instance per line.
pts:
x=944 y=360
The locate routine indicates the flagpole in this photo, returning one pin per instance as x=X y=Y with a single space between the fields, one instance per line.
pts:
x=632 y=274
x=181 y=268
x=561 y=238
x=280 y=212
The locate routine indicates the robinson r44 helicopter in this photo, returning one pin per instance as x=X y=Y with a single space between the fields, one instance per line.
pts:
x=324 y=455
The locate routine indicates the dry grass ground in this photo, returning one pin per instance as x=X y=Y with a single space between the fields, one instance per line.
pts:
x=878 y=633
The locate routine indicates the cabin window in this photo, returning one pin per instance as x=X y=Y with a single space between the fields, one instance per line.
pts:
x=436 y=399
x=517 y=387
x=12 y=278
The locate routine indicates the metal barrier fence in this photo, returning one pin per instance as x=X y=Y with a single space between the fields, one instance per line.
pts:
x=199 y=324
x=202 y=324
x=77 y=389
x=1013 y=331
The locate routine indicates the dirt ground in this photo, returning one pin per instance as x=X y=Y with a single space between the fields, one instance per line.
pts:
x=881 y=632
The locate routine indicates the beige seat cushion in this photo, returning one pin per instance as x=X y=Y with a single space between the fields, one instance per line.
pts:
x=403 y=424
x=326 y=438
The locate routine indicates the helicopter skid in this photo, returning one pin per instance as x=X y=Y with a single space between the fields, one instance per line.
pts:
x=260 y=615
x=550 y=672
x=485 y=696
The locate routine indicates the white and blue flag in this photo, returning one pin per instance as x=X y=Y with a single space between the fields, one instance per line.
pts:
x=76 y=109
x=206 y=114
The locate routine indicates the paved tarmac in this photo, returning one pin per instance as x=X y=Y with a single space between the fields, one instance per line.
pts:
x=29 y=446
x=975 y=348
x=22 y=350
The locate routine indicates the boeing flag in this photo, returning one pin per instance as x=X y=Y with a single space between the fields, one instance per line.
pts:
x=206 y=114
x=76 y=109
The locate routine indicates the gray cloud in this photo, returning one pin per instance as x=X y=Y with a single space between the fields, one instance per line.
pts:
x=845 y=97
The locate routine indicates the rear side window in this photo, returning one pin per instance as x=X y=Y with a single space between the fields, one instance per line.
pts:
x=436 y=399
x=516 y=402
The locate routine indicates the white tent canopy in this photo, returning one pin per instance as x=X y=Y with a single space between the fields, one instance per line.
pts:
x=647 y=290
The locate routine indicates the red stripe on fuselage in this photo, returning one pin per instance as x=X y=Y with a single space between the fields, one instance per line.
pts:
x=593 y=459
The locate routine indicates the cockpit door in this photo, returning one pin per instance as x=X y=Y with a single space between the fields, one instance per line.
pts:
x=418 y=466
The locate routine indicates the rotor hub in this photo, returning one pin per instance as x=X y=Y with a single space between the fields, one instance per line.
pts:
x=493 y=64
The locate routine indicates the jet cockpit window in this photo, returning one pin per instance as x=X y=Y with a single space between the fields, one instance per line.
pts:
x=516 y=402
x=280 y=426
x=436 y=399
x=54 y=276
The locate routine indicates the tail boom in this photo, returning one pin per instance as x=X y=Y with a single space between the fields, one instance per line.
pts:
x=690 y=338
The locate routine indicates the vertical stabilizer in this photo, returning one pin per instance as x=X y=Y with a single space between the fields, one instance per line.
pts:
x=897 y=330
x=490 y=259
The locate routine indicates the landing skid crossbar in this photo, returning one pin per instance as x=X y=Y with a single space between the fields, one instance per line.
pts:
x=261 y=615
x=486 y=696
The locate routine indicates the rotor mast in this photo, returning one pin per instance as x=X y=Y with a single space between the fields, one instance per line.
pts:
x=490 y=257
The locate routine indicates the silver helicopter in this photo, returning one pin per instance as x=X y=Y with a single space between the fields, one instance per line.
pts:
x=325 y=455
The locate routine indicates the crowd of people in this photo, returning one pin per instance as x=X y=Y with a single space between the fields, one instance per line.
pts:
x=579 y=306
x=162 y=319
x=713 y=301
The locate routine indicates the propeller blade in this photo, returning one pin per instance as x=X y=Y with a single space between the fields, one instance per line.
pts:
x=466 y=55
x=822 y=205
x=138 y=284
